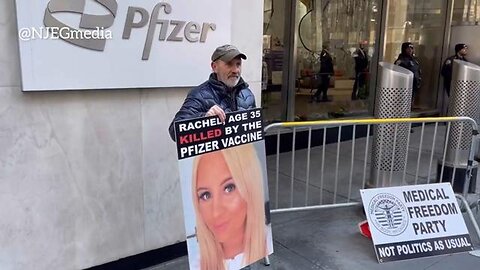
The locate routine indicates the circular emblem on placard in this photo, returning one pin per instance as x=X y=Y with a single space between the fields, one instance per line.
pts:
x=388 y=214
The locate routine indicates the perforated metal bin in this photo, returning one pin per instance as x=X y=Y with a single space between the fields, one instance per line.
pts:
x=393 y=100
x=464 y=101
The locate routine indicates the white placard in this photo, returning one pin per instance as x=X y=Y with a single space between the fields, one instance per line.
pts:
x=415 y=221
x=223 y=176
x=115 y=53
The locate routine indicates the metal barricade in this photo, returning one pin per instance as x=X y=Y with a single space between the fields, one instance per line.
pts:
x=330 y=175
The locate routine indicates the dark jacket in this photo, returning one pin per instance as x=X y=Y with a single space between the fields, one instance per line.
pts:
x=213 y=92
x=411 y=63
x=326 y=63
x=361 y=60
x=447 y=71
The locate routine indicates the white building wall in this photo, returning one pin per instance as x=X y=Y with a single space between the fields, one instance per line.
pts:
x=88 y=177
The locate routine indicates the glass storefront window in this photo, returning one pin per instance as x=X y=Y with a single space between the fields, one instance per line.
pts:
x=466 y=12
x=339 y=26
x=273 y=53
x=465 y=28
x=421 y=22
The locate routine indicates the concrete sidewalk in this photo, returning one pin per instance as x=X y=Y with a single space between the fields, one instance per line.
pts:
x=329 y=239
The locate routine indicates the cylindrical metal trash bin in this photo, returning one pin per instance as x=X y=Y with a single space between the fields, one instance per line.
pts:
x=393 y=100
x=464 y=101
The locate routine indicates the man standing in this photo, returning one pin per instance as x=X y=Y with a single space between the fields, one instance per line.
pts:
x=326 y=71
x=225 y=91
x=361 y=68
x=408 y=60
x=460 y=53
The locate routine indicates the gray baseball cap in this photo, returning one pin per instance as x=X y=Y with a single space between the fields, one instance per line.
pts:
x=227 y=53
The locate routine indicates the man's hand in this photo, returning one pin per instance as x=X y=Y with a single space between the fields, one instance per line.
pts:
x=216 y=110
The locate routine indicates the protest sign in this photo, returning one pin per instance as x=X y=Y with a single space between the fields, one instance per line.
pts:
x=202 y=135
x=415 y=221
x=224 y=190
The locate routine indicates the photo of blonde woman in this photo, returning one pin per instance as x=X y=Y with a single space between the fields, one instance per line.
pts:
x=229 y=205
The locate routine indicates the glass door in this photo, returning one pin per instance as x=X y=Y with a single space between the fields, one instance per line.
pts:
x=421 y=22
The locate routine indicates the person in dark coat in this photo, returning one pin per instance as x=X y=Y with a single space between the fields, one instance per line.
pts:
x=326 y=71
x=460 y=53
x=361 y=68
x=408 y=60
x=224 y=92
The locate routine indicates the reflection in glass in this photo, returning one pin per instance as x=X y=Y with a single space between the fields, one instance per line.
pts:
x=466 y=12
x=272 y=65
x=420 y=22
x=342 y=27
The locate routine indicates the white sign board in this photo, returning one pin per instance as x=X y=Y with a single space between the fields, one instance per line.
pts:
x=104 y=44
x=415 y=221
x=223 y=176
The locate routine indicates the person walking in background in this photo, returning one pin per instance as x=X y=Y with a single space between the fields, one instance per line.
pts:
x=326 y=71
x=460 y=53
x=361 y=68
x=408 y=60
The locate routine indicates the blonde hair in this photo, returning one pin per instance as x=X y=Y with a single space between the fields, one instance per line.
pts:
x=244 y=166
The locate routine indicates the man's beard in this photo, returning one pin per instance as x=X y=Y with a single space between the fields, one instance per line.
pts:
x=231 y=82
